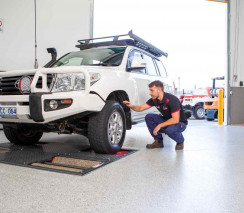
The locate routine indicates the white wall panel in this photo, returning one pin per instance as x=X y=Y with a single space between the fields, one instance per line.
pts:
x=236 y=62
x=60 y=23
x=236 y=51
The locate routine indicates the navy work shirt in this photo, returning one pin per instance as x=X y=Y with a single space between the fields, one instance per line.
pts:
x=170 y=104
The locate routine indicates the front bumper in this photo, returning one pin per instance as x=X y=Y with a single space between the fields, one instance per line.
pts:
x=30 y=108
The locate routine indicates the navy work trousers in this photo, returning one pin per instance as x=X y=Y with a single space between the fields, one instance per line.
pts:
x=173 y=131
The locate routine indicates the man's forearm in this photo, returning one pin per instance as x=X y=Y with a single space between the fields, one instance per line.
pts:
x=136 y=108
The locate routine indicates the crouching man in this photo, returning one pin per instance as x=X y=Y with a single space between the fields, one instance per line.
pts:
x=172 y=120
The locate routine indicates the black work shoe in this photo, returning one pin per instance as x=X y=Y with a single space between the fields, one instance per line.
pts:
x=155 y=144
x=179 y=146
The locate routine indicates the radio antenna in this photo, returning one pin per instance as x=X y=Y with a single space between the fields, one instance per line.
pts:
x=36 y=62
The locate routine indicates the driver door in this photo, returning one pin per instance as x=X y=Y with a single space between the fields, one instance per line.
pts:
x=142 y=82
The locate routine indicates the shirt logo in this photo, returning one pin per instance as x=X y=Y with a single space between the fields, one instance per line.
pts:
x=165 y=108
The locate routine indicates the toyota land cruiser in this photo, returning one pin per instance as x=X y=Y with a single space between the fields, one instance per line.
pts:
x=82 y=92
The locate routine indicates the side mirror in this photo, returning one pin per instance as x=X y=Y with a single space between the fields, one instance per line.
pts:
x=137 y=64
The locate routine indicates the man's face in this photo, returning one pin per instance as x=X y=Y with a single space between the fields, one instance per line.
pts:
x=154 y=92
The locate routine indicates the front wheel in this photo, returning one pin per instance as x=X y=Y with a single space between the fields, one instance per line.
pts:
x=21 y=135
x=106 y=129
x=199 y=113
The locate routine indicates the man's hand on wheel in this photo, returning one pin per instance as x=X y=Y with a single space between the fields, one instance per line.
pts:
x=128 y=104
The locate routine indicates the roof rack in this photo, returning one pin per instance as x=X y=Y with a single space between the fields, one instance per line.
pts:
x=133 y=41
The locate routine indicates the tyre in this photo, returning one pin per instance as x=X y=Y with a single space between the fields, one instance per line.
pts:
x=106 y=129
x=199 y=112
x=187 y=114
x=21 y=135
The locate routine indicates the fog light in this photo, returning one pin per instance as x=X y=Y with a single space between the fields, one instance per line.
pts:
x=53 y=104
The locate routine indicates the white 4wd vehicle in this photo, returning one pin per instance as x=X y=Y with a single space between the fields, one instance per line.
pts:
x=82 y=93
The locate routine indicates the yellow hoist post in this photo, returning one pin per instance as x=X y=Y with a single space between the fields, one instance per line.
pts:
x=221 y=107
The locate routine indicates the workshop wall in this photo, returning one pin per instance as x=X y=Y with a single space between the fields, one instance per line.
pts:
x=236 y=62
x=59 y=24
x=236 y=50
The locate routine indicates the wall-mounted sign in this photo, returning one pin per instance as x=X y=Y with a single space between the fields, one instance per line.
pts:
x=1 y=25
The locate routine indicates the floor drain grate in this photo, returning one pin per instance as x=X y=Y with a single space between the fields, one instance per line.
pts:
x=76 y=162
x=62 y=168
x=68 y=164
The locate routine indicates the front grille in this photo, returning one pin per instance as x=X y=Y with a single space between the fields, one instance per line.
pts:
x=7 y=84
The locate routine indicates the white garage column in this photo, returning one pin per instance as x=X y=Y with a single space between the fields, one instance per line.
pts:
x=236 y=62
x=59 y=24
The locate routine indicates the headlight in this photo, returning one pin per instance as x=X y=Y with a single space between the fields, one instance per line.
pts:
x=72 y=82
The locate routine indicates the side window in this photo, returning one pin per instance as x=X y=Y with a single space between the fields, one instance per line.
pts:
x=115 y=59
x=161 y=69
x=151 y=70
x=134 y=55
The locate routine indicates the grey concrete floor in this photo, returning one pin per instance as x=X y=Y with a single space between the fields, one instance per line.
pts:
x=207 y=176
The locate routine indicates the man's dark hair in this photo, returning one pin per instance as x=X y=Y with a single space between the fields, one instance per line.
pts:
x=157 y=84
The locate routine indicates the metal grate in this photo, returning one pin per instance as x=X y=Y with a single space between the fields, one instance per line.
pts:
x=2 y=151
x=70 y=158
x=58 y=168
x=7 y=84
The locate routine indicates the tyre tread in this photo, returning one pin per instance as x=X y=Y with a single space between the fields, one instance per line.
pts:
x=15 y=137
x=96 y=133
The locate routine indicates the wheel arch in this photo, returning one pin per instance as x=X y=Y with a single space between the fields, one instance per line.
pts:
x=120 y=96
x=199 y=104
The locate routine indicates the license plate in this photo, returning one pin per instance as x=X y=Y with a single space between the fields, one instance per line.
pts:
x=8 y=111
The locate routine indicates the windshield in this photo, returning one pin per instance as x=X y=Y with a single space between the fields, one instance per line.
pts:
x=93 y=57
